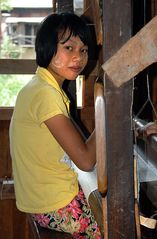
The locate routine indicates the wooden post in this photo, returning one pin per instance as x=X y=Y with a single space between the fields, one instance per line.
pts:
x=65 y=6
x=119 y=148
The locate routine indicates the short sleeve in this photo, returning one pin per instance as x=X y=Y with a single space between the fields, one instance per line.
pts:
x=47 y=103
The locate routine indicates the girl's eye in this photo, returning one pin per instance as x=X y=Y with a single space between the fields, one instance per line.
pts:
x=69 y=48
x=85 y=50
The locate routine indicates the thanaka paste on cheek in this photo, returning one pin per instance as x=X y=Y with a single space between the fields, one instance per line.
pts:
x=57 y=64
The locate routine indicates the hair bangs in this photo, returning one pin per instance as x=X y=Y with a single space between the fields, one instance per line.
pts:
x=74 y=26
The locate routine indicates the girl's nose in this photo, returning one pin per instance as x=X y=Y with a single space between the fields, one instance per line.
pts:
x=77 y=56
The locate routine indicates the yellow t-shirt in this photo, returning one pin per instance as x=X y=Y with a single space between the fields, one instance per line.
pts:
x=43 y=181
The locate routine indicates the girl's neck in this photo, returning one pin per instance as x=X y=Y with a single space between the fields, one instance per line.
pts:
x=59 y=79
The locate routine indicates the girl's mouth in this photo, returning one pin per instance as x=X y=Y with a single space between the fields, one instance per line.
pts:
x=76 y=69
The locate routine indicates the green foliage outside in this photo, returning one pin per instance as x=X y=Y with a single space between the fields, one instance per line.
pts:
x=9 y=49
x=5 y=5
x=10 y=85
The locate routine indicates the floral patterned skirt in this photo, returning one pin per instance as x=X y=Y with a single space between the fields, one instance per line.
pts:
x=76 y=218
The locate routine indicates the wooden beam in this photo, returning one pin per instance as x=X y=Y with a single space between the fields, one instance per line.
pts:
x=119 y=154
x=93 y=12
x=96 y=12
x=99 y=103
x=25 y=66
x=100 y=132
x=137 y=54
x=65 y=6
x=17 y=66
x=119 y=146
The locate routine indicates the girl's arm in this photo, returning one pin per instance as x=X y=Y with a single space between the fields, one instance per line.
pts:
x=82 y=153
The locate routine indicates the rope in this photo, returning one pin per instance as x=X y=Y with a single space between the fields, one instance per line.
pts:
x=147 y=101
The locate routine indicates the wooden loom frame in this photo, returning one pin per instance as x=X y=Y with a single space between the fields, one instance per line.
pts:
x=137 y=54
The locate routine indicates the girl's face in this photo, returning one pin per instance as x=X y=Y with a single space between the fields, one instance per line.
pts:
x=70 y=59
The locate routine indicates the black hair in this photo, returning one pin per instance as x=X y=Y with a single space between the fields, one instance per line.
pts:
x=48 y=35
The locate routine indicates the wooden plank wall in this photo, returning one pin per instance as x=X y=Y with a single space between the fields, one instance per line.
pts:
x=13 y=223
x=5 y=160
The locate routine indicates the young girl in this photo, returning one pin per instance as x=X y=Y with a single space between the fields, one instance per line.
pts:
x=41 y=132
